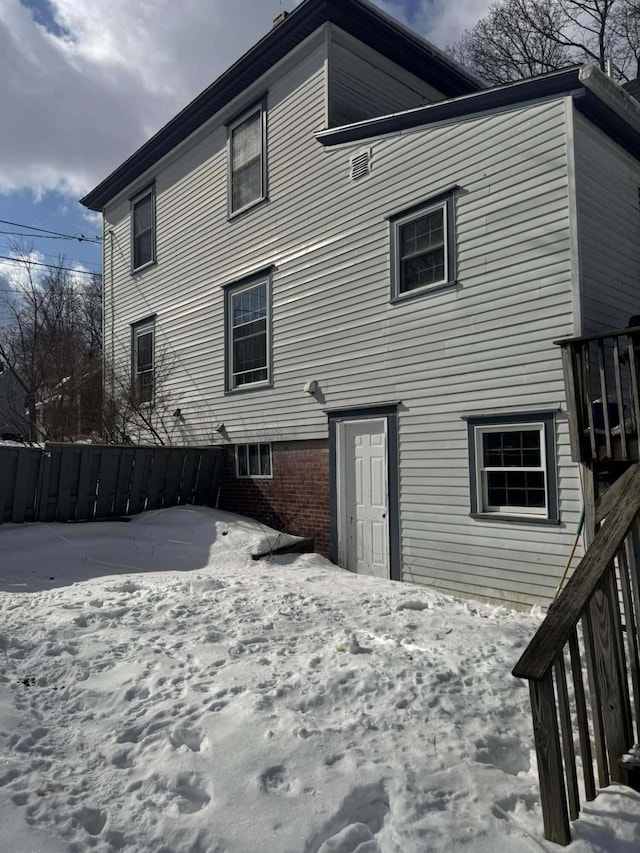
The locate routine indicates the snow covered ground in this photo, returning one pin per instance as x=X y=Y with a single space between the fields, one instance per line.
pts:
x=162 y=692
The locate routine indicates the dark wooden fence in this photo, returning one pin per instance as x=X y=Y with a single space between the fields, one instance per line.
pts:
x=602 y=381
x=74 y=482
x=592 y=629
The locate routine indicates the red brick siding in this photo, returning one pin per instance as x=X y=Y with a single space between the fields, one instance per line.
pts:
x=295 y=501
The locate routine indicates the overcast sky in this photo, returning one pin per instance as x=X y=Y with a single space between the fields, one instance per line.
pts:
x=85 y=82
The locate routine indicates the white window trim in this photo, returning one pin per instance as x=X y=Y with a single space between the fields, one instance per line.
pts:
x=148 y=191
x=143 y=327
x=261 y=108
x=230 y=292
x=245 y=448
x=484 y=508
x=444 y=203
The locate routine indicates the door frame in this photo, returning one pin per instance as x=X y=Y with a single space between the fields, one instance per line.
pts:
x=388 y=412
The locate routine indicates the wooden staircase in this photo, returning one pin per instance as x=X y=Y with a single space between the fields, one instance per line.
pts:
x=591 y=630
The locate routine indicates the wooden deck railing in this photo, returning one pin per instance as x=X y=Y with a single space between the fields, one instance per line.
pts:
x=602 y=382
x=592 y=628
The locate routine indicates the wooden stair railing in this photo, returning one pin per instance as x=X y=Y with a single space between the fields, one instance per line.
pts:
x=593 y=626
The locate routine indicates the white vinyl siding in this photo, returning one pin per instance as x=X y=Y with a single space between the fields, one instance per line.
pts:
x=607 y=182
x=362 y=87
x=484 y=346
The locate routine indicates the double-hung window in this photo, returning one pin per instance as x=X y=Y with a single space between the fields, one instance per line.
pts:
x=143 y=228
x=248 y=308
x=513 y=470
x=142 y=359
x=423 y=248
x=253 y=460
x=247 y=160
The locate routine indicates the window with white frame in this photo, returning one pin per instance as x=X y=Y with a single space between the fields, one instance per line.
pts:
x=248 y=332
x=143 y=227
x=513 y=470
x=247 y=159
x=142 y=358
x=253 y=460
x=423 y=248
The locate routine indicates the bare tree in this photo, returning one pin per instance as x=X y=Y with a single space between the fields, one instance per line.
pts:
x=626 y=26
x=130 y=416
x=520 y=38
x=50 y=340
x=504 y=46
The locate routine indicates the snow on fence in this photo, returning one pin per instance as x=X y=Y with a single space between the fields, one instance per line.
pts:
x=75 y=482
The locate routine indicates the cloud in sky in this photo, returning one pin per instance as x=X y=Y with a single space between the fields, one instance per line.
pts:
x=443 y=21
x=439 y=21
x=85 y=83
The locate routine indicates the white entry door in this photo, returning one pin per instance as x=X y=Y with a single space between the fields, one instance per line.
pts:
x=363 y=496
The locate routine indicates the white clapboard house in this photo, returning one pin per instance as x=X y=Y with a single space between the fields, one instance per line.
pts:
x=351 y=259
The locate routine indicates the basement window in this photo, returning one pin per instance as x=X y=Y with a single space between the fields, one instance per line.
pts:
x=513 y=468
x=253 y=461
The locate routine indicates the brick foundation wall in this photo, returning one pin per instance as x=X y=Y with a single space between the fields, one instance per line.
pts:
x=295 y=501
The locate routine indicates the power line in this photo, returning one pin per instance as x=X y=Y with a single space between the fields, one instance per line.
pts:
x=46 y=255
x=80 y=238
x=50 y=266
x=47 y=236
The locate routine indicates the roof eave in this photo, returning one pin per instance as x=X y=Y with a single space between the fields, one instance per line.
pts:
x=360 y=19
x=558 y=83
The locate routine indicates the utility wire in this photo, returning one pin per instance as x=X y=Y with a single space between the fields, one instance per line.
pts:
x=51 y=266
x=45 y=255
x=46 y=236
x=80 y=238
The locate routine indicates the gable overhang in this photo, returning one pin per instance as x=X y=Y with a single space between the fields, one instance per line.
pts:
x=357 y=17
x=595 y=95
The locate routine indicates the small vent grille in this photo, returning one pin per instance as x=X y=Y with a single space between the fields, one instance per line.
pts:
x=361 y=165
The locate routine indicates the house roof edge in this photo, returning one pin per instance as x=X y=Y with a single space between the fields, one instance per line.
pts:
x=358 y=17
x=555 y=84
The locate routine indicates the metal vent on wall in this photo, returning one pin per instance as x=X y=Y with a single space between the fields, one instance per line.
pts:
x=360 y=165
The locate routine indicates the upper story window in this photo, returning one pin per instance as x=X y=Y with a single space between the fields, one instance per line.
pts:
x=247 y=160
x=143 y=228
x=142 y=359
x=248 y=309
x=423 y=248
x=513 y=468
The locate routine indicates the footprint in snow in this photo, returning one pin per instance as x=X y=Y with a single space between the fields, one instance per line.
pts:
x=190 y=793
x=193 y=739
x=356 y=823
x=274 y=780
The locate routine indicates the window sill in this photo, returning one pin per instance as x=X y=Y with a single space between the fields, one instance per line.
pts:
x=136 y=270
x=244 y=389
x=422 y=291
x=236 y=214
x=515 y=519
x=257 y=477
